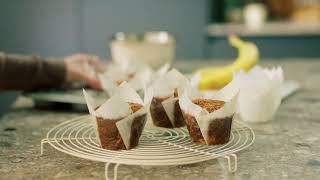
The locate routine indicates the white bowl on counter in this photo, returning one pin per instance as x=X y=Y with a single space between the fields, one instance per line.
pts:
x=152 y=48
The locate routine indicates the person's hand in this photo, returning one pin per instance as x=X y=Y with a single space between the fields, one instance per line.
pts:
x=75 y=69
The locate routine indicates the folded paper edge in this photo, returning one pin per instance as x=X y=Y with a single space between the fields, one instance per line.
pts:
x=128 y=93
x=107 y=85
x=107 y=110
x=124 y=125
x=91 y=104
x=168 y=106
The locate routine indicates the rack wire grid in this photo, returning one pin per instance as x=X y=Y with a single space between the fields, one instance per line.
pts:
x=157 y=146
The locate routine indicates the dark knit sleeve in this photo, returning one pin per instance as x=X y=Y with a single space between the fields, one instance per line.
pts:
x=20 y=72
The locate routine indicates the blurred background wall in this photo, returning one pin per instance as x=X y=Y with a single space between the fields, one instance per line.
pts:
x=44 y=27
x=60 y=27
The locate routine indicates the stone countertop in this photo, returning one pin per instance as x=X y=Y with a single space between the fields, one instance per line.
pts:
x=286 y=148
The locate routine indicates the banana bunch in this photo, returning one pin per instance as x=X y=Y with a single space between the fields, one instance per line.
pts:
x=218 y=77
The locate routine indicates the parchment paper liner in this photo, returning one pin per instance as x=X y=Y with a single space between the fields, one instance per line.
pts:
x=142 y=75
x=202 y=116
x=165 y=110
x=117 y=108
x=260 y=94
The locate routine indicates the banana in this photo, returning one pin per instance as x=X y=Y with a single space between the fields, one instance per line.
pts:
x=218 y=77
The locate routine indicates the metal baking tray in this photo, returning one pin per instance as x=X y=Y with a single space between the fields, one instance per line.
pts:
x=63 y=99
x=73 y=98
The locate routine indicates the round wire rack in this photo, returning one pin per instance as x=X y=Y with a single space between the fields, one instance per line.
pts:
x=157 y=146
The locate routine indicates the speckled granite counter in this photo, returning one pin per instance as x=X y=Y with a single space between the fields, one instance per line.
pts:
x=286 y=148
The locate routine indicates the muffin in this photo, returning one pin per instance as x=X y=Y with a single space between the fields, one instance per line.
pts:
x=109 y=135
x=120 y=120
x=138 y=79
x=218 y=130
x=160 y=117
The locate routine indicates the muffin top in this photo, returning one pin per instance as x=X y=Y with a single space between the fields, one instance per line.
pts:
x=175 y=93
x=209 y=104
x=130 y=76
x=119 y=81
x=135 y=106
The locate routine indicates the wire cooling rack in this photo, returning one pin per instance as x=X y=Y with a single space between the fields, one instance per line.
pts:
x=157 y=146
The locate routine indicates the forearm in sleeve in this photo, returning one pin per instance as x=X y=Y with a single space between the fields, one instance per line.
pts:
x=30 y=72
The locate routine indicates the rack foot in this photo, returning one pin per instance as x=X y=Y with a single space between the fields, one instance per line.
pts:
x=43 y=141
x=115 y=171
x=232 y=162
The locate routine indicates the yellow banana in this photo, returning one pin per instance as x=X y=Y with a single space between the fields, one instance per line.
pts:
x=218 y=77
